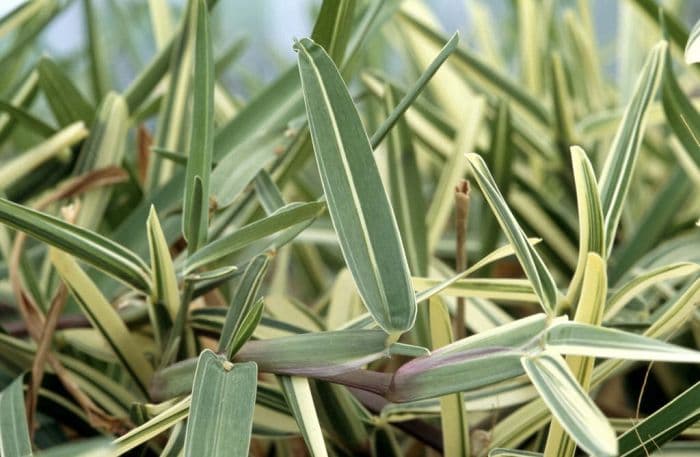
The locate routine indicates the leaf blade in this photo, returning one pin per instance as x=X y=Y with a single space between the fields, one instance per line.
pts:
x=358 y=205
x=221 y=414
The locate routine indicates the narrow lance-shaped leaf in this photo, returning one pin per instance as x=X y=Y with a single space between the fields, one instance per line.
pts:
x=242 y=304
x=14 y=433
x=682 y=116
x=358 y=205
x=88 y=246
x=534 y=267
x=479 y=73
x=415 y=91
x=153 y=427
x=590 y=216
x=281 y=219
x=581 y=339
x=67 y=103
x=177 y=58
x=453 y=415
x=104 y=318
x=333 y=26
x=665 y=424
x=221 y=413
x=619 y=166
x=479 y=360
x=104 y=147
x=572 y=407
x=98 y=68
x=636 y=286
x=165 y=295
x=199 y=159
x=343 y=351
x=24 y=117
x=298 y=394
x=500 y=161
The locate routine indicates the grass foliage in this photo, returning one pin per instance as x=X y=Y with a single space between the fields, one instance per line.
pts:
x=482 y=249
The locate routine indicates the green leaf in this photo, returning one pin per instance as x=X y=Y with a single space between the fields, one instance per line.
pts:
x=269 y=194
x=516 y=290
x=534 y=267
x=104 y=318
x=88 y=246
x=199 y=159
x=24 y=117
x=681 y=115
x=165 y=294
x=414 y=91
x=98 y=68
x=67 y=104
x=343 y=351
x=665 y=424
x=591 y=222
x=616 y=176
x=692 y=46
x=652 y=225
x=298 y=395
x=500 y=161
x=14 y=433
x=242 y=304
x=285 y=217
x=153 y=427
x=173 y=117
x=453 y=415
x=572 y=407
x=19 y=16
x=564 y=108
x=244 y=161
x=477 y=361
x=221 y=414
x=581 y=339
x=589 y=310
x=639 y=284
x=481 y=74
x=333 y=26
x=357 y=203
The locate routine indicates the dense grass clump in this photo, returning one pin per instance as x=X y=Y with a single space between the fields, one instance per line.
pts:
x=402 y=245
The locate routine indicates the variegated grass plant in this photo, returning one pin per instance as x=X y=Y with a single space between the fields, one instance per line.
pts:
x=180 y=278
